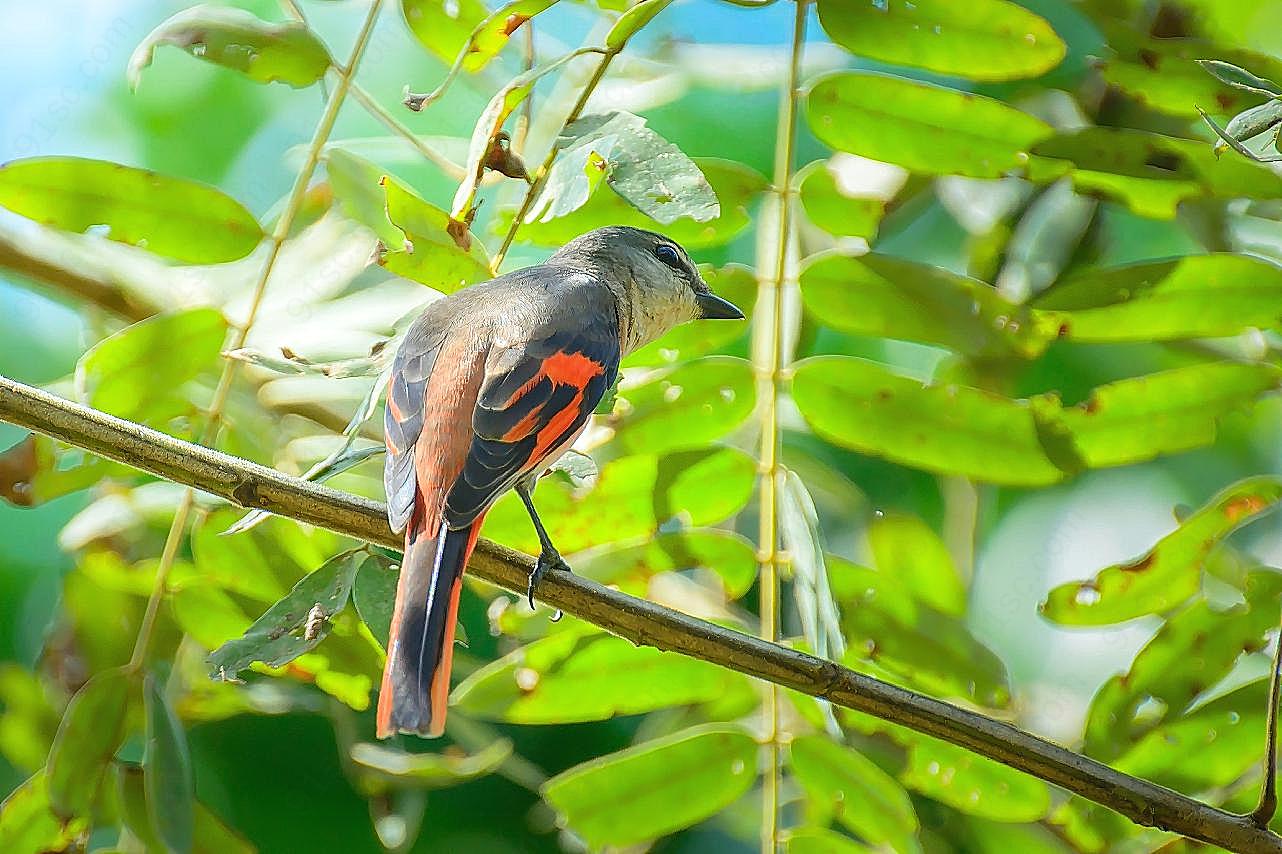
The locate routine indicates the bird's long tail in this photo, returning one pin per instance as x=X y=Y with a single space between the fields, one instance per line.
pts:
x=420 y=650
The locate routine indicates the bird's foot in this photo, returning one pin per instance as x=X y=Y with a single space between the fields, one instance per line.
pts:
x=548 y=559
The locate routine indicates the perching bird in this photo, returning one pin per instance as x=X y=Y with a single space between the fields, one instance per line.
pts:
x=490 y=386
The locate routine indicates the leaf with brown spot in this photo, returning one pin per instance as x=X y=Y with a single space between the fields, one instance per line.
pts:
x=1169 y=573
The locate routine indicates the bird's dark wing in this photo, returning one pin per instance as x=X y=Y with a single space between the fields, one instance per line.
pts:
x=536 y=395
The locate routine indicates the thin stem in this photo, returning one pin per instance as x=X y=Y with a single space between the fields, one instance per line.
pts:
x=540 y=176
x=378 y=111
x=221 y=392
x=253 y=486
x=523 y=122
x=1268 y=805
x=772 y=359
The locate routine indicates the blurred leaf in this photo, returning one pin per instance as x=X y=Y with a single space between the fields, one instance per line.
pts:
x=29 y=722
x=28 y=824
x=169 y=216
x=92 y=729
x=631 y=21
x=1169 y=74
x=657 y=787
x=863 y=797
x=973 y=784
x=984 y=40
x=287 y=629
x=801 y=536
x=815 y=840
x=1087 y=826
x=1138 y=419
x=857 y=586
x=444 y=26
x=139 y=372
x=1241 y=78
x=634 y=497
x=690 y=405
x=682 y=343
x=1224 y=737
x=735 y=185
x=942 y=428
x=374 y=594
x=236 y=39
x=289 y=362
x=1148 y=172
x=430 y=254
x=646 y=170
x=254 y=566
x=892 y=298
x=429 y=770
x=834 y=211
x=920 y=126
x=357 y=186
x=490 y=124
x=906 y=548
x=728 y=555
x=208 y=614
x=1196 y=296
x=570 y=677
x=37 y=470
x=167 y=775
x=210 y=835
x=1191 y=652
x=1170 y=572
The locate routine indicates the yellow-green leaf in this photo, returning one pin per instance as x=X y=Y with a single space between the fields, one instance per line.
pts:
x=428 y=252
x=92 y=729
x=864 y=798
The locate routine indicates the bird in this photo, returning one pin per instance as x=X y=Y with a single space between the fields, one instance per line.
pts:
x=490 y=385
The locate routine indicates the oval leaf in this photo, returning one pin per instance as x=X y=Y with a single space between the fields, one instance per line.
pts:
x=429 y=770
x=973 y=784
x=430 y=252
x=657 y=787
x=92 y=729
x=174 y=217
x=166 y=767
x=1170 y=572
x=694 y=404
x=905 y=548
x=730 y=556
x=982 y=39
x=28 y=822
x=833 y=210
x=863 y=797
x=374 y=594
x=920 y=126
x=236 y=39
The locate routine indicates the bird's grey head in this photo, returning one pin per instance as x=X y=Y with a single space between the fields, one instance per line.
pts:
x=657 y=284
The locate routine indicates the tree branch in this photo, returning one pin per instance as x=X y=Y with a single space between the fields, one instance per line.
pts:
x=253 y=486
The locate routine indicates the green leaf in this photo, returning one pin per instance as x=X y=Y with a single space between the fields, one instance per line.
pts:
x=92 y=729
x=570 y=677
x=167 y=776
x=28 y=824
x=982 y=40
x=1240 y=78
x=295 y=624
x=728 y=555
x=857 y=586
x=1191 y=652
x=634 y=496
x=863 y=797
x=430 y=254
x=889 y=297
x=1196 y=296
x=655 y=788
x=736 y=186
x=690 y=405
x=139 y=372
x=682 y=343
x=444 y=28
x=174 y=217
x=236 y=39
x=631 y=21
x=357 y=186
x=490 y=124
x=1249 y=124
x=1170 y=572
x=492 y=35
x=1148 y=172
x=815 y=840
x=429 y=770
x=973 y=784
x=1137 y=419
x=833 y=210
x=646 y=170
x=1225 y=737
x=942 y=428
x=920 y=126
x=38 y=469
x=210 y=836
x=906 y=548
x=374 y=594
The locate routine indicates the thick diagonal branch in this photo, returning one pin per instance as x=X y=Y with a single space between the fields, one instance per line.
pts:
x=253 y=486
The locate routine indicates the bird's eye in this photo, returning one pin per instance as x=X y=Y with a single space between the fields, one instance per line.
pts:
x=667 y=253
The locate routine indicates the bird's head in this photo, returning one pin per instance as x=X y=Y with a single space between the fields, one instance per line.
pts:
x=657 y=284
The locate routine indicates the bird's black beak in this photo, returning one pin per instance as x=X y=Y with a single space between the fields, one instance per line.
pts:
x=713 y=307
